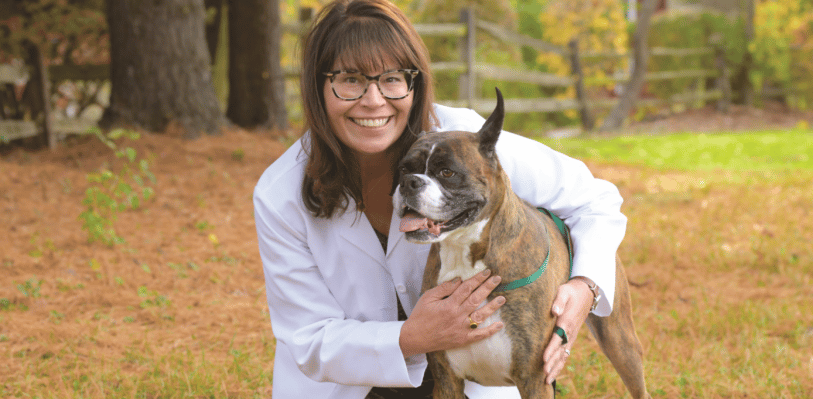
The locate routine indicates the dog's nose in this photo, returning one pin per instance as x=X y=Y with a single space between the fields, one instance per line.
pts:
x=411 y=184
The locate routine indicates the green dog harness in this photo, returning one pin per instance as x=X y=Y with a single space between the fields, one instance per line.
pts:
x=565 y=231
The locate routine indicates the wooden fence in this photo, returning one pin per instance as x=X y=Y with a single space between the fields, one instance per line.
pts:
x=471 y=72
x=42 y=120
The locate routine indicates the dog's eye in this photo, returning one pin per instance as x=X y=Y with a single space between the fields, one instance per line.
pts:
x=446 y=173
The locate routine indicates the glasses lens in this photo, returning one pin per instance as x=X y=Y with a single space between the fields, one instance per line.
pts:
x=395 y=84
x=352 y=85
x=349 y=85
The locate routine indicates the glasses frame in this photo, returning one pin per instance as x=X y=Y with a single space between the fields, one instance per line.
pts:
x=332 y=75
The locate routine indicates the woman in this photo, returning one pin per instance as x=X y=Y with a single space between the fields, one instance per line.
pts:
x=343 y=284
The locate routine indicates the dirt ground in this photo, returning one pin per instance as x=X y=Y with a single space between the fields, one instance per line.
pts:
x=708 y=119
x=193 y=245
x=187 y=273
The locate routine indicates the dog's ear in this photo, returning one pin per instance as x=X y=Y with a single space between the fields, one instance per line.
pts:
x=490 y=131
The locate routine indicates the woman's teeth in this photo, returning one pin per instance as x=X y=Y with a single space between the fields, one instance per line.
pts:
x=371 y=122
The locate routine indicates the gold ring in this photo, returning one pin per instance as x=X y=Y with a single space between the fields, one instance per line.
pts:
x=472 y=323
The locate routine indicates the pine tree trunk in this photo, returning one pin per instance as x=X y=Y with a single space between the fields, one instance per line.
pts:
x=256 y=79
x=160 y=69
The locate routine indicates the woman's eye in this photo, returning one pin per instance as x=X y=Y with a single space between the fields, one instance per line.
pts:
x=447 y=173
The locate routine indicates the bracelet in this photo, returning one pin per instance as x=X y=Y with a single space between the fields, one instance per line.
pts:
x=593 y=287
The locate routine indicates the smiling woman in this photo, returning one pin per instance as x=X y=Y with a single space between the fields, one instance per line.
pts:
x=343 y=284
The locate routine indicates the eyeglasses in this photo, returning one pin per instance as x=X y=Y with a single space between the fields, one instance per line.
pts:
x=351 y=85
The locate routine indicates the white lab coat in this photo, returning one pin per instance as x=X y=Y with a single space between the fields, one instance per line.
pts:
x=332 y=290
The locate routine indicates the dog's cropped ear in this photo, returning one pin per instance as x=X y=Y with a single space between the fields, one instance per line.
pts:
x=490 y=131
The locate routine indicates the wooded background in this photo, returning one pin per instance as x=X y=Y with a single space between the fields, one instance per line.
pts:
x=196 y=66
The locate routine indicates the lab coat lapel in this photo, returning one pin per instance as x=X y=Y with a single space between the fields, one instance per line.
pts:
x=358 y=231
x=395 y=234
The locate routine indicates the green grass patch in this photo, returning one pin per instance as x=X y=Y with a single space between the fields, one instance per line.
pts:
x=772 y=150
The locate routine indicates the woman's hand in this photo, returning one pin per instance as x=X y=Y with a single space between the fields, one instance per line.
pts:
x=440 y=319
x=570 y=307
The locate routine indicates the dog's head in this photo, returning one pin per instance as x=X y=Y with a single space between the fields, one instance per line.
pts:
x=447 y=179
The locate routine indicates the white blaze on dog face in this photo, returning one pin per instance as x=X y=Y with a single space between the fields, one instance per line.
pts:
x=430 y=199
x=438 y=191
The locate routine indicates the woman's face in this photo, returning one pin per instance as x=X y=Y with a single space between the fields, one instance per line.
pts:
x=371 y=124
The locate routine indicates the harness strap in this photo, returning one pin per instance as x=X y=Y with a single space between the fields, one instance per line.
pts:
x=563 y=229
x=565 y=233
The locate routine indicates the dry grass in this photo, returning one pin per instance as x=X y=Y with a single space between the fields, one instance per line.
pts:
x=721 y=276
x=720 y=264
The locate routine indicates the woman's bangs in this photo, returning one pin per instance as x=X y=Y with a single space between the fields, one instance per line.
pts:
x=369 y=45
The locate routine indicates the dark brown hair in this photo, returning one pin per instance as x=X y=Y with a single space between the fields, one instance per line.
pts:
x=358 y=33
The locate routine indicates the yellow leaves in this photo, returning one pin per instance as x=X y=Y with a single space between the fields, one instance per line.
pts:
x=601 y=22
x=555 y=62
x=599 y=25
x=782 y=43
x=620 y=43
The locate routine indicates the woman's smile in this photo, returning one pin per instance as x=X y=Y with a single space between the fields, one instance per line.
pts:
x=370 y=122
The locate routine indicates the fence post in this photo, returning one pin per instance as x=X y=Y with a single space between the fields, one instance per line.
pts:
x=42 y=82
x=305 y=16
x=722 y=82
x=699 y=92
x=468 y=80
x=578 y=74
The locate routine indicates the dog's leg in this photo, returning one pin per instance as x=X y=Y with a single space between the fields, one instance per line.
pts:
x=617 y=338
x=447 y=384
x=535 y=388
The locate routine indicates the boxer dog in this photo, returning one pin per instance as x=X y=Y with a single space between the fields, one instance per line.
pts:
x=454 y=194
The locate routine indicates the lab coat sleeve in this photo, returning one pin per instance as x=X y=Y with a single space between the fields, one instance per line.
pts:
x=325 y=344
x=590 y=207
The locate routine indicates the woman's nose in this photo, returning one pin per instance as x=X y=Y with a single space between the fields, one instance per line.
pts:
x=373 y=96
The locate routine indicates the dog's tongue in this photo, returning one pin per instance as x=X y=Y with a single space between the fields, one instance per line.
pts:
x=412 y=221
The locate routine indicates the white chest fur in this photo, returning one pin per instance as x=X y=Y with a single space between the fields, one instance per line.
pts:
x=487 y=362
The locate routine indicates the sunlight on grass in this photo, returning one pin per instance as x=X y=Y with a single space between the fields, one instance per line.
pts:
x=771 y=150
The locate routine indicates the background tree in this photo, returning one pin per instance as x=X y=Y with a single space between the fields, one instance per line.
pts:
x=214 y=18
x=640 y=57
x=160 y=70
x=742 y=82
x=256 y=78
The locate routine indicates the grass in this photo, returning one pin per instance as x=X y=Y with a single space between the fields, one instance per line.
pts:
x=754 y=151
x=717 y=251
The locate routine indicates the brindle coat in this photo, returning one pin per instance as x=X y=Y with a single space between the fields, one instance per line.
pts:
x=512 y=244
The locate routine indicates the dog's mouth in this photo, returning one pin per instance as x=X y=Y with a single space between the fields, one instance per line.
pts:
x=412 y=221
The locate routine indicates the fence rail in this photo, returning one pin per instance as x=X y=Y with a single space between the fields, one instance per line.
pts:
x=470 y=72
x=45 y=122
x=476 y=71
